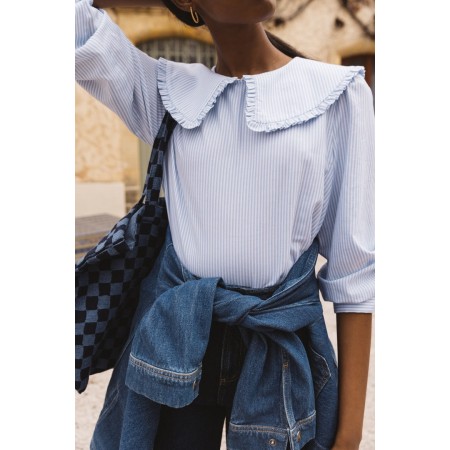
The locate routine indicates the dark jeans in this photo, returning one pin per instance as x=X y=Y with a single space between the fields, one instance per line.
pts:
x=199 y=425
x=194 y=427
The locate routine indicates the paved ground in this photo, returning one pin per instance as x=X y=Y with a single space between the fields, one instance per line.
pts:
x=89 y=403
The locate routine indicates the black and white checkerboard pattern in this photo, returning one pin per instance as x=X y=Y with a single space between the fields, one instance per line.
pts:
x=107 y=278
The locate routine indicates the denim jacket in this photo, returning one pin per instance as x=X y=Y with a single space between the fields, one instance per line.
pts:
x=287 y=389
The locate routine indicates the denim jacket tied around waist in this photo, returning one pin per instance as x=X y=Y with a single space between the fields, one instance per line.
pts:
x=288 y=386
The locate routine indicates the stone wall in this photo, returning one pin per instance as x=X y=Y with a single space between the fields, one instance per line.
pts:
x=326 y=30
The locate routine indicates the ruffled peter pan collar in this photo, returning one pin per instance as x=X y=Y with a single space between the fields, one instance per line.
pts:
x=292 y=94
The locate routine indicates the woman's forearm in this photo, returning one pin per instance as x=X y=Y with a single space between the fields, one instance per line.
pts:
x=354 y=337
x=126 y=3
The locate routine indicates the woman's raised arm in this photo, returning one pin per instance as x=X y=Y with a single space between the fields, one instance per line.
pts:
x=110 y=67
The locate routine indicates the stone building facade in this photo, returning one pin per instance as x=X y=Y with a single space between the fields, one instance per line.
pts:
x=110 y=161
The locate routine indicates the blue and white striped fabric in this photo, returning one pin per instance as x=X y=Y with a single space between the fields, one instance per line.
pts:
x=259 y=165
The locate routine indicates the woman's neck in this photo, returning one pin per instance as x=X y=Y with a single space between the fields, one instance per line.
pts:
x=245 y=50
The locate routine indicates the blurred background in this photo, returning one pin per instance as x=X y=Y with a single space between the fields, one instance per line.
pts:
x=111 y=162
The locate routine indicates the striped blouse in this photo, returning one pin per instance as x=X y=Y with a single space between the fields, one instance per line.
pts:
x=258 y=166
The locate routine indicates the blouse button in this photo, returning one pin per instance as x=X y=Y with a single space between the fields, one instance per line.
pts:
x=272 y=442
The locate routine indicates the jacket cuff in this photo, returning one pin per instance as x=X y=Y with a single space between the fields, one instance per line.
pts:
x=174 y=389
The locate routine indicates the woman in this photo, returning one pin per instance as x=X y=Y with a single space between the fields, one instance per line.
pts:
x=272 y=151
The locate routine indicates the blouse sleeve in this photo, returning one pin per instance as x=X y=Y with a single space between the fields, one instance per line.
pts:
x=346 y=237
x=115 y=72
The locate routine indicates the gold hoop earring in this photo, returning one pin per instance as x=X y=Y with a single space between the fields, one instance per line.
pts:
x=196 y=20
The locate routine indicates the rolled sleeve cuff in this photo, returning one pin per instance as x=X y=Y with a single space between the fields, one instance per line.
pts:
x=364 y=307
x=353 y=293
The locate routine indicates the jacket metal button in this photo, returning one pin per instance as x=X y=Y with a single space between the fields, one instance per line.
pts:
x=195 y=384
x=299 y=436
x=272 y=442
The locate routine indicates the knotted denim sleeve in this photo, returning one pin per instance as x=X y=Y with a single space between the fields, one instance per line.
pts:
x=171 y=336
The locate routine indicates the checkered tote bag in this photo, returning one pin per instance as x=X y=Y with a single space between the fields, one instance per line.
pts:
x=107 y=278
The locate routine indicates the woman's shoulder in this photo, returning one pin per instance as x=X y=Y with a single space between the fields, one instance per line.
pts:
x=345 y=87
x=326 y=69
x=337 y=77
x=189 y=90
x=304 y=91
x=327 y=81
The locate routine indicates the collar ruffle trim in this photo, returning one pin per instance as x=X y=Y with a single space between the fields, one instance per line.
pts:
x=301 y=90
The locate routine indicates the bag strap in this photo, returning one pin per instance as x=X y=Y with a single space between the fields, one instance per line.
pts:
x=153 y=179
